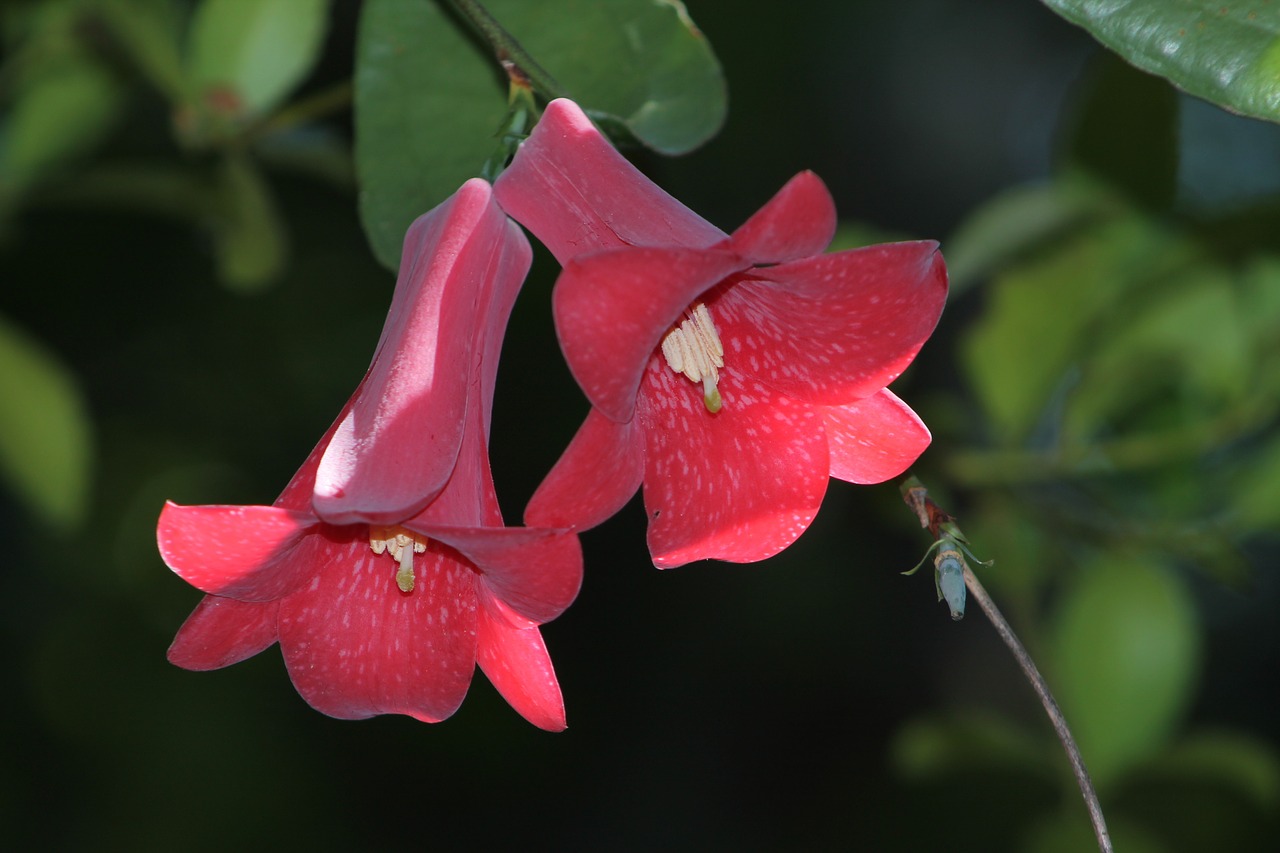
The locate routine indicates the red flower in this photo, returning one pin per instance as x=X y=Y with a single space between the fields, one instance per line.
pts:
x=728 y=374
x=383 y=569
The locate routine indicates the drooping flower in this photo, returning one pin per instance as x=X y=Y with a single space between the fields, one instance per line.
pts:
x=730 y=375
x=384 y=569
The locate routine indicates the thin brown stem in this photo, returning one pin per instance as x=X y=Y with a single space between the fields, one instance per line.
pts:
x=1051 y=708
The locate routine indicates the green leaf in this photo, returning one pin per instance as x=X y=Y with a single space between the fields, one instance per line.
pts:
x=1042 y=315
x=964 y=743
x=430 y=100
x=1225 y=53
x=1014 y=222
x=248 y=55
x=45 y=433
x=1186 y=344
x=249 y=234
x=1126 y=648
x=1231 y=759
x=150 y=31
x=642 y=64
x=58 y=116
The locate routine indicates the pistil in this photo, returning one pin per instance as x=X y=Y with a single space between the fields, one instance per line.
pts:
x=401 y=544
x=693 y=349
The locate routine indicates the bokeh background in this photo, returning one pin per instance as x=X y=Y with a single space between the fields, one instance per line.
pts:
x=1102 y=392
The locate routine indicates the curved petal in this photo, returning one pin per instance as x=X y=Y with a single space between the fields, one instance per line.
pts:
x=835 y=328
x=595 y=477
x=222 y=631
x=356 y=646
x=797 y=222
x=243 y=552
x=396 y=448
x=515 y=660
x=575 y=192
x=739 y=485
x=612 y=309
x=536 y=571
x=874 y=439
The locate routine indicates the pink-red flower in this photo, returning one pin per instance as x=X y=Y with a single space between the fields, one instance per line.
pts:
x=384 y=569
x=731 y=375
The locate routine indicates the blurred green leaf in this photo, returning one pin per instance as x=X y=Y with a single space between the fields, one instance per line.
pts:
x=1226 y=53
x=1016 y=221
x=249 y=234
x=961 y=744
x=1041 y=316
x=45 y=433
x=1185 y=344
x=248 y=55
x=59 y=114
x=1255 y=494
x=1070 y=832
x=1126 y=133
x=1231 y=759
x=151 y=33
x=429 y=100
x=1126 y=649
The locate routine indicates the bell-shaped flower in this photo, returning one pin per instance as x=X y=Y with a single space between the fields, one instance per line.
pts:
x=384 y=569
x=728 y=374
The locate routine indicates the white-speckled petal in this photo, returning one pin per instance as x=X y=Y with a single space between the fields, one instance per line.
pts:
x=356 y=646
x=874 y=439
x=835 y=328
x=739 y=485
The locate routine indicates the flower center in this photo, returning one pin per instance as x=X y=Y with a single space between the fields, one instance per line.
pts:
x=693 y=348
x=401 y=544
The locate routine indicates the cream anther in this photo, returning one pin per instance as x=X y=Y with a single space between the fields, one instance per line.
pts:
x=693 y=349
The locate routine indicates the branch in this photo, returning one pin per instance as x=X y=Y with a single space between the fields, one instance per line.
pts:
x=950 y=543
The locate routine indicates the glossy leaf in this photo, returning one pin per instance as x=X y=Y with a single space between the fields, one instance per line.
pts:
x=1225 y=53
x=248 y=55
x=430 y=100
x=1126 y=649
x=45 y=433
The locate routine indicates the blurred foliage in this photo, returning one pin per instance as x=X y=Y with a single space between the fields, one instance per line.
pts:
x=1103 y=394
x=1126 y=370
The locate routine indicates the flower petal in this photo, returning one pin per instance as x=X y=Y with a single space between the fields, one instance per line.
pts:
x=222 y=631
x=739 y=485
x=597 y=474
x=576 y=193
x=243 y=552
x=396 y=448
x=874 y=439
x=612 y=309
x=356 y=646
x=515 y=660
x=797 y=222
x=536 y=571
x=835 y=328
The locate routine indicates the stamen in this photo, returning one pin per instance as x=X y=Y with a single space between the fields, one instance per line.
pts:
x=401 y=544
x=693 y=349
